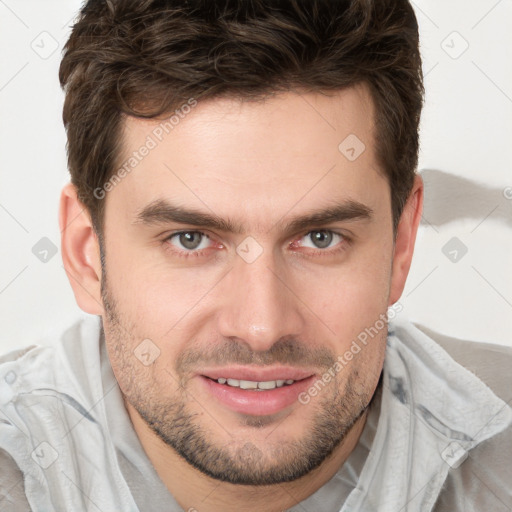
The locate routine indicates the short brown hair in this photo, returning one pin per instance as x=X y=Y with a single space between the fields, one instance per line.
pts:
x=144 y=58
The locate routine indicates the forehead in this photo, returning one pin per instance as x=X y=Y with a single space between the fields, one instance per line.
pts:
x=254 y=158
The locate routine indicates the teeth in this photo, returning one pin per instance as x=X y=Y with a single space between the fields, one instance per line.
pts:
x=249 y=384
x=271 y=384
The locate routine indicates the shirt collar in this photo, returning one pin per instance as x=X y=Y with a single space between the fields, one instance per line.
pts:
x=433 y=412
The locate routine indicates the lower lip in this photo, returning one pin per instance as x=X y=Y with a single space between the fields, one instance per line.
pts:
x=257 y=403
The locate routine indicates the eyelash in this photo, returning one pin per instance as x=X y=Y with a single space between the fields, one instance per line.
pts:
x=341 y=246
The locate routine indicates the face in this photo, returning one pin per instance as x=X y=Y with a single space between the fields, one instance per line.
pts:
x=244 y=253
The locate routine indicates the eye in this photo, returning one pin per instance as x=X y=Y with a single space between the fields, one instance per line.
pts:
x=322 y=239
x=189 y=240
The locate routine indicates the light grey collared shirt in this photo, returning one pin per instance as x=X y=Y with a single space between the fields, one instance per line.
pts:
x=436 y=437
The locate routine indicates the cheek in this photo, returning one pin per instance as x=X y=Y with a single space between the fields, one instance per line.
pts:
x=140 y=363
x=354 y=298
x=152 y=294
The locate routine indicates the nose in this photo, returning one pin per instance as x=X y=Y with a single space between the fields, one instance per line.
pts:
x=259 y=306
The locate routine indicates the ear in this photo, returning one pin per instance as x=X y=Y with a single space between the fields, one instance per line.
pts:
x=405 y=239
x=80 y=251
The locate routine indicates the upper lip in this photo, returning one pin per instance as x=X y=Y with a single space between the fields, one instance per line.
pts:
x=257 y=374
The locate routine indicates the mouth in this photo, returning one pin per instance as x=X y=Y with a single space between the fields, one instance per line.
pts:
x=257 y=392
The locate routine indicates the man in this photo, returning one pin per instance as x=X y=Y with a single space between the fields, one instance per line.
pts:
x=240 y=223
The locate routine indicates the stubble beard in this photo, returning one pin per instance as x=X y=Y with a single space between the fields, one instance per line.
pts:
x=236 y=462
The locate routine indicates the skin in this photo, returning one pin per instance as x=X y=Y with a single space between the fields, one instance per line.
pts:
x=259 y=164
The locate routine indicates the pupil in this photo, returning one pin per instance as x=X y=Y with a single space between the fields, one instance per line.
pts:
x=322 y=239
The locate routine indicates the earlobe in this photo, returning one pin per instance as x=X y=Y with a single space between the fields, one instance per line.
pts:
x=80 y=251
x=405 y=240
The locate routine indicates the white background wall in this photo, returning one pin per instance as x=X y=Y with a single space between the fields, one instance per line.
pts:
x=466 y=131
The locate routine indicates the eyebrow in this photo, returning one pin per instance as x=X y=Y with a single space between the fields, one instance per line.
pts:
x=162 y=211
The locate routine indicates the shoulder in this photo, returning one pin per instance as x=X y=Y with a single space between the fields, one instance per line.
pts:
x=12 y=488
x=15 y=354
x=489 y=362
x=484 y=480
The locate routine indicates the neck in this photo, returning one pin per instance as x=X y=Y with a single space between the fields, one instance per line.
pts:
x=197 y=492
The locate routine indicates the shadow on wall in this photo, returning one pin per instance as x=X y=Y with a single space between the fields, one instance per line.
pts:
x=450 y=198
